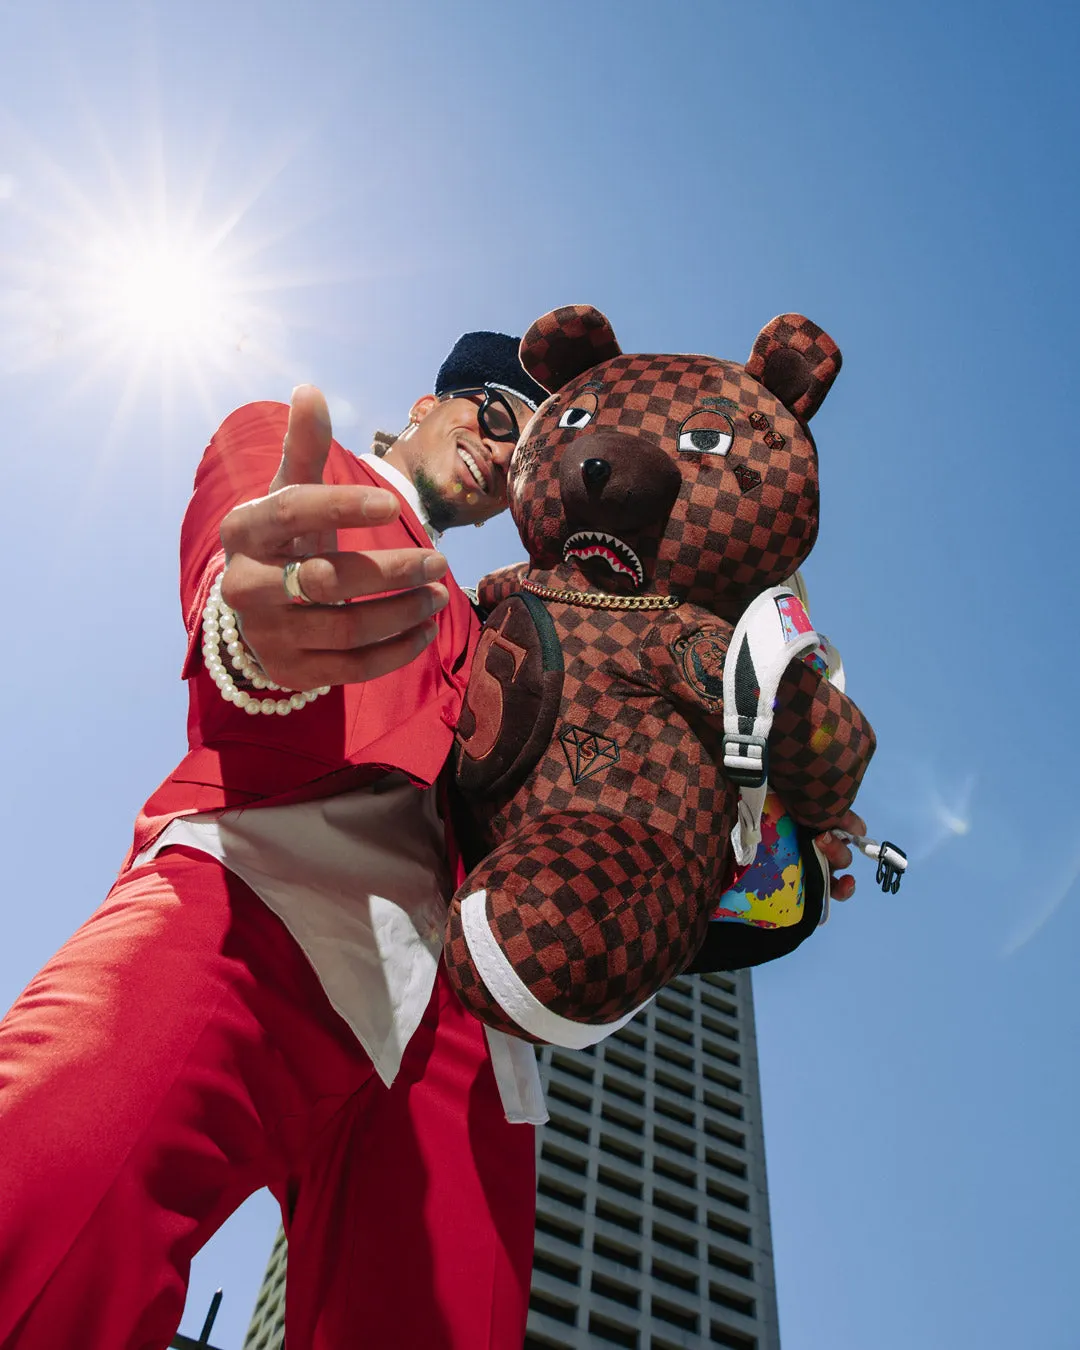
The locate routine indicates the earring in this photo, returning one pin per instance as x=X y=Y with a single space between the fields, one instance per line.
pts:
x=478 y=524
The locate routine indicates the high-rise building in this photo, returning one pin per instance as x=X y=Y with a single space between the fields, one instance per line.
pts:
x=266 y=1330
x=652 y=1227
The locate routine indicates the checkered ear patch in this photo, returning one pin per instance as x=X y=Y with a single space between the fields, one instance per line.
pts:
x=565 y=343
x=797 y=361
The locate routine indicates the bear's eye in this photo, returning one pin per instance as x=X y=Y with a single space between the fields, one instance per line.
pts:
x=706 y=432
x=581 y=411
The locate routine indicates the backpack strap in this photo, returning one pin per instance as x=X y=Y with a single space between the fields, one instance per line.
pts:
x=773 y=630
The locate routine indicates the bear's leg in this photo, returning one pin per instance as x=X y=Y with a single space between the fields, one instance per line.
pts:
x=570 y=926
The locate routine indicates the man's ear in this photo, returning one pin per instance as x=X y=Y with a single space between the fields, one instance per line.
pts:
x=565 y=343
x=797 y=361
x=421 y=408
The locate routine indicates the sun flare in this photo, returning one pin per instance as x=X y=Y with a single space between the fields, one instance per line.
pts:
x=141 y=282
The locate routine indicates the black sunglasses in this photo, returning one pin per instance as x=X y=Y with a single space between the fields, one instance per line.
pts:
x=495 y=415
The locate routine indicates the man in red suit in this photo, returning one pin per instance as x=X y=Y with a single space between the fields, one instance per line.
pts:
x=258 y=1002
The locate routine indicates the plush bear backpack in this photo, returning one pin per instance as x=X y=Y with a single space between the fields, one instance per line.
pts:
x=663 y=501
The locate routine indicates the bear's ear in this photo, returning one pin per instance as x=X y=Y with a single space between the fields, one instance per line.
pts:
x=797 y=361
x=566 y=343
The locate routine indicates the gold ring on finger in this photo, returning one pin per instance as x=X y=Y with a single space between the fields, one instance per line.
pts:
x=290 y=579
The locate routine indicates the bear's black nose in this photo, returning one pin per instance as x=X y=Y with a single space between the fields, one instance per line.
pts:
x=595 y=472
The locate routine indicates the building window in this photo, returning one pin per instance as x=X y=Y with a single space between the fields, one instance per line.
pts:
x=571 y=1128
x=629 y=1063
x=719 y=1051
x=556 y=1268
x=565 y=1195
x=614 y=1333
x=674 y=1141
x=681 y=1279
x=723 y=1105
x=730 y=1339
x=627 y=1152
x=720 y=1131
x=562 y=1093
x=625 y=1294
x=738 y=1232
x=676 y=1032
x=674 y=1112
x=721 y=1028
x=673 y=1084
x=679 y=1007
x=556 y=1228
x=615 y=1251
x=677 y=1057
x=725 y=1164
x=731 y=1298
x=622 y=1089
x=559 y=1157
x=675 y=1204
x=679 y=1242
x=717 y=1191
x=616 y=1181
x=615 y=1116
x=554 y=1308
x=678 y=1317
x=727 y=1080
x=574 y=1067
x=535 y=1342
x=672 y=1172
x=725 y=1261
x=621 y=1218
x=719 y=982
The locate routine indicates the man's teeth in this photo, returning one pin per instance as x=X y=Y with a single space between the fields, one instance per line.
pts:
x=473 y=468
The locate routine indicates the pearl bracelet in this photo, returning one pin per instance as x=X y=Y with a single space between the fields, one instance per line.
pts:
x=219 y=626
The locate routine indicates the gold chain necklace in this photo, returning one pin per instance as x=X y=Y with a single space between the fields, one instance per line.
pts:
x=593 y=600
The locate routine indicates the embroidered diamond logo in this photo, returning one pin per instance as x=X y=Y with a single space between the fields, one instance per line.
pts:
x=586 y=752
x=747 y=478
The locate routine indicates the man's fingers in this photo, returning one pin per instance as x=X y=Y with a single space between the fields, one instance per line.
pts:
x=333 y=577
x=312 y=669
x=266 y=528
x=302 y=629
x=330 y=578
x=307 y=439
x=843 y=888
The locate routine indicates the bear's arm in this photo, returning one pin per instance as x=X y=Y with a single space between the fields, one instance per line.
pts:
x=819 y=748
x=497 y=586
x=820 y=743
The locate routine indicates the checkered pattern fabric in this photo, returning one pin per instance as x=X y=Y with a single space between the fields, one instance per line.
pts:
x=742 y=521
x=772 y=361
x=610 y=853
x=564 y=343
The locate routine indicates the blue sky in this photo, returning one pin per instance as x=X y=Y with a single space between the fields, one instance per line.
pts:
x=366 y=181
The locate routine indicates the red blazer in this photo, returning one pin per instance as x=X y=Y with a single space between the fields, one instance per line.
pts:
x=357 y=732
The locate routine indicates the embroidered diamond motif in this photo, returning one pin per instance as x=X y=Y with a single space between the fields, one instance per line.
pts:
x=586 y=752
x=748 y=478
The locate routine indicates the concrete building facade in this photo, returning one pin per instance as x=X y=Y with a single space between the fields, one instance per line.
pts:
x=652 y=1228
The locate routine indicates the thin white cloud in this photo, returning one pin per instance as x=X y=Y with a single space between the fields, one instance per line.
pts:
x=1034 y=923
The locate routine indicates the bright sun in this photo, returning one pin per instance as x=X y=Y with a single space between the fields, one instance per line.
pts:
x=148 y=287
x=165 y=293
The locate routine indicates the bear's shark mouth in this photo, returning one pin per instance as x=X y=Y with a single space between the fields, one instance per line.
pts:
x=620 y=557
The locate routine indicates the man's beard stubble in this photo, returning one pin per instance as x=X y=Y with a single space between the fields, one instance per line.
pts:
x=441 y=513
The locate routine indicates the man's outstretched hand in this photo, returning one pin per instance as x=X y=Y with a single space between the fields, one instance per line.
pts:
x=838 y=855
x=301 y=646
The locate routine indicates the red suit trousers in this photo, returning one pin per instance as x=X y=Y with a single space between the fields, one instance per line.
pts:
x=177 y=1054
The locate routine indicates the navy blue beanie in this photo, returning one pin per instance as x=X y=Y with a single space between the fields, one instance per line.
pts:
x=488 y=359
